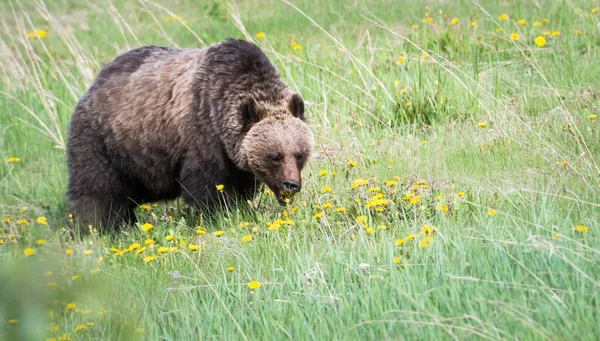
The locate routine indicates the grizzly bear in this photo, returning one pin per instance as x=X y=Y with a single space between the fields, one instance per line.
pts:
x=160 y=123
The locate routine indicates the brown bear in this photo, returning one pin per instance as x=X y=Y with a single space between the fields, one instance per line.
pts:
x=159 y=123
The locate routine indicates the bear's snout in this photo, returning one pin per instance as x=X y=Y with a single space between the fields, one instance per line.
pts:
x=291 y=185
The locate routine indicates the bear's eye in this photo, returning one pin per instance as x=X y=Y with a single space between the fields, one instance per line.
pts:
x=300 y=157
x=276 y=159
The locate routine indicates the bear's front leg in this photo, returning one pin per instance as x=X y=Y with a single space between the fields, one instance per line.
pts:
x=199 y=179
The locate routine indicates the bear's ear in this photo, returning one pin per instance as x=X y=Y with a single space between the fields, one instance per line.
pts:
x=297 y=107
x=250 y=113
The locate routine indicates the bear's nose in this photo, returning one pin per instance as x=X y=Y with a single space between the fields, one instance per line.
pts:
x=291 y=185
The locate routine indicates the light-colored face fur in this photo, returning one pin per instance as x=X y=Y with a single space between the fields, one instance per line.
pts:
x=276 y=149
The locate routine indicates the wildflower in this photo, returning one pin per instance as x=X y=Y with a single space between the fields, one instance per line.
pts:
x=361 y=219
x=503 y=17
x=373 y=190
x=454 y=21
x=400 y=241
x=51 y=284
x=540 y=41
x=537 y=24
x=498 y=29
x=296 y=47
x=37 y=34
x=592 y=117
x=460 y=194
x=514 y=36
x=410 y=237
x=42 y=221
x=169 y=237
x=29 y=251
x=492 y=212
x=340 y=209
x=90 y=324
x=148 y=241
x=555 y=33
x=555 y=236
x=358 y=183
x=400 y=60
x=594 y=10
x=578 y=32
x=140 y=250
x=547 y=33
x=414 y=200
x=253 y=285
x=79 y=327
x=473 y=24
x=260 y=35
x=322 y=172
x=246 y=238
x=390 y=183
x=370 y=230
x=274 y=226
x=13 y=159
x=351 y=163
x=13 y=321
x=408 y=104
x=162 y=250
x=427 y=19
x=148 y=259
x=426 y=241
x=521 y=22
x=68 y=251
x=546 y=20
x=482 y=124
x=200 y=232
x=193 y=247
x=139 y=330
x=75 y=277
x=93 y=271
x=218 y=233
x=255 y=230
x=22 y=222
x=396 y=260
x=70 y=306
x=382 y=227
x=230 y=268
x=326 y=189
x=146 y=227
x=427 y=229
x=145 y=207
x=87 y=252
x=580 y=229
x=220 y=187
x=441 y=207
x=40 y=242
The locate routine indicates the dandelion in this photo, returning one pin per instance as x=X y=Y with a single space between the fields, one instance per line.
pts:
x=246 y=238
x=460 y=194
x=578 y=32
x=555 y=33
x=322 y=172
x=592 y=117
x=351 y=163
x=373 y=190
x=537 y=24
x=400 y=60
x=79 y=327
x=13 y=321
x=230 y=268
x=193 y=247
x=580 y=229
x=408 y=104
x=595 y=10
x=169 y=237
x=218 y=233
x=482 y=124
x=521 y=22
x=326 y=189
x=546 y=20
x=473 y=24
x=144 y=207
x=396 y=260
x=93 y=271
x=70 y=306
x=148 y=241
x=514 y=36
x=427 y=19
x=75 y=277
x=382 y=227
x=410 y=237
x=547 y=33
x=42 y=221
x=340 y=209
x=540 y=41
x=427 y=229
x=162 y=250
x=140 y=250
x=29 y=251
x=358 y=183
x=220 y=187
x=260 y=35
x=200 y=232
x=139 y=330
x=503 y=17
x=146 y=227
x=13 y=159
x=426 y=242
x=68 y=251
x=253 y=285
x=296 y=47
x=390 y=183
x=492 y=212
x=40 y=242
x=414 y=200
x=555 y=236
x=87 y=252
x=361 y=219
x=37 y=34
x=148 y=259
x=454 y=21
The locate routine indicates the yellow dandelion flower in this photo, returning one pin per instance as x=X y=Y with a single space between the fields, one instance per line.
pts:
x=537 y=24
x=255 y=230
x=144 y=207
x=580 y=229
x=318 y=215
x=42 y=221
x=414 y=200
x=246 y=238
x=578 y=32
x=146 y=227
x=37 y=34
x=370 y=230
x=29 y=251
x=75 y=277
x=473 y=24
x=454 y=21
x=410 y=237
x=441 y=207
x=426 y=242
x=351 y=163
x=460 y=194
x=13 y=321
x=70 y=306
x=93 y=271
x=148 y=241
x=408 y=104
x=400 y=242
x=555 y=236
x=373 y=190
x=514 y=36
x=90 y=324
x=555 y=33
x=68 y=251
x=148 y=259
x=592 y=117
x=482 y=124
x=390 y=183
x=253 y=285
x=140 y=250
x=169 y=237
x=194 y=247
x=595 y=10
x=503 y=17
x=400 y=60
x=200 y=232
x=218 y=233
x=359 y=182
x=547 y=33
x=220 y=187
x=162 y=250
x=40 y=242
x=340 y=209
x=427 y=19
x=13 y=159
x=546 y=20
x=87 y=252
x=296 y=47
x=540 y=41
x=260 y=35
x=361 y=218
x=322 y=172
x=230 y=268
x=79 y=327
x=427 y=229
x=492 y=212
x=521 y=22
x=396 y=260
x=326 y=189
x=382 y=227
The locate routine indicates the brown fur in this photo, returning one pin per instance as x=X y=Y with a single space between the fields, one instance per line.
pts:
x=159 y=123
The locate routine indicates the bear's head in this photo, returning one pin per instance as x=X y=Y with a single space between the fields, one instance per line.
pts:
x=278 y=144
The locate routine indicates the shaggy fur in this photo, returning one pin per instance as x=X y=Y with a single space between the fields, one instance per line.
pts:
x=159 y=123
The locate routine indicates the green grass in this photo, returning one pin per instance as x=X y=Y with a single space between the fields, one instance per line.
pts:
x=523 y=273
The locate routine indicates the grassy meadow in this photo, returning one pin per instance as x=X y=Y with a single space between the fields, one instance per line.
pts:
x=454 y=191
